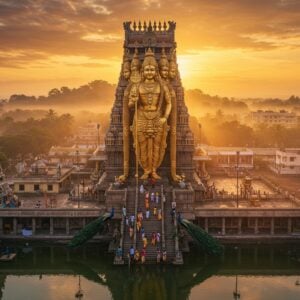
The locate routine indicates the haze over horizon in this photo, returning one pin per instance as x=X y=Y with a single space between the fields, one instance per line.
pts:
x=247 y=48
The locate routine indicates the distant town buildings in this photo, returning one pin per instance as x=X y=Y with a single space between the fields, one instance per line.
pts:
x=42 y=178
x=69 y=156
x=226 y=157
x=88 y=135
x=269 y=117
x=287 y=161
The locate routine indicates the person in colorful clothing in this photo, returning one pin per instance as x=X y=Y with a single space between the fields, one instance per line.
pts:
x=164 y=255
x=158 y=255
x=158 y=237
x=143 y=255
x=159 y=217
x=153 y=239
x=136 y=255
x=145 y=242
x=157 y=197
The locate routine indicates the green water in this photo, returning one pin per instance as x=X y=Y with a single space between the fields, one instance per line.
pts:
x=53 y=272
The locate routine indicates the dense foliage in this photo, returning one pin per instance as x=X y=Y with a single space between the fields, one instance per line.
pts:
x=228 y=130
x=35 y=135
x=97 y=91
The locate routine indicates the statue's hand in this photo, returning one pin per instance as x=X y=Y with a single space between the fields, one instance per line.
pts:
x=132 y=100
x=176 y=177
x=122 y=178
x=162 y=121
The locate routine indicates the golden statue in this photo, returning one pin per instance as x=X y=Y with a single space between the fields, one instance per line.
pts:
x=126 y=67
x=170 y=70
x=131 y=73
x=135 y=66
x=152 y=101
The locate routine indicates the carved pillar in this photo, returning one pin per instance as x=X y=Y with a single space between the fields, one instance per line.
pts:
x=1 y=226
x=51 y=226
x=223 y=226
x=67 y=254
x=51 y=254
x=84 y=253
x=33 y=225
x=255 y=255
x=272 y=256
x=289 y=229
x=256 y=226
x=239 y=255
x=34 y=255
x=15 y=223
x=240 y=226
x=206 y=224
x=272 y=226
x=67 y=226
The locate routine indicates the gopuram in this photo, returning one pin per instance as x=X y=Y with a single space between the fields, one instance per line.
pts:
x=149 y=144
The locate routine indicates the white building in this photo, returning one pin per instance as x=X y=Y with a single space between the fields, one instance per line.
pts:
x=226 y=157
x=69 y=156
x=287 y=161
x=269 y=117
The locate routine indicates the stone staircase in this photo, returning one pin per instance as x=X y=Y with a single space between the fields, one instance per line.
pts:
x=150 y=225
x=169 y=228
x=130 y=210
x=165 y=226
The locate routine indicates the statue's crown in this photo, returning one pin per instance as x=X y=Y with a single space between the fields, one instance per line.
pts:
x=163 y=59
x=149 y=58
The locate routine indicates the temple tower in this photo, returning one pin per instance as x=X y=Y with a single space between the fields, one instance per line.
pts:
x=141 y=36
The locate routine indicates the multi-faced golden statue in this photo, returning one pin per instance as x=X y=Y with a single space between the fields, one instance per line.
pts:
x=151 y=96
x=150 y=126
x=164 y=68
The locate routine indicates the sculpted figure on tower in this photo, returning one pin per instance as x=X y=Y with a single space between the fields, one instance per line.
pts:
x=168 y=71
x=153 y=107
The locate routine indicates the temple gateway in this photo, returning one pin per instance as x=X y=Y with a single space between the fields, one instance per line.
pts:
x=149 y=142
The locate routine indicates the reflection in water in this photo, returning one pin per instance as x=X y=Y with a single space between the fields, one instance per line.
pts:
x=258 y=272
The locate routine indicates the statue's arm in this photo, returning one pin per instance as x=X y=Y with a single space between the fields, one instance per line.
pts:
x=168 y=101
x=133 y=95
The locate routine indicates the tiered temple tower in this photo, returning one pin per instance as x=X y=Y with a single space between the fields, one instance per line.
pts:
x=156 y=36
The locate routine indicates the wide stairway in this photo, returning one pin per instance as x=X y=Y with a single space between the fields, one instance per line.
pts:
x=151 y=225
x=130 y=210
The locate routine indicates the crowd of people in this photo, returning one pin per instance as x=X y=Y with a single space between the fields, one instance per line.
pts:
x=151 y=211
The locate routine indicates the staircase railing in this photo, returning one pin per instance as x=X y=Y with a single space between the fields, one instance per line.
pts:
x=120 y=260
x=178 y=254
x=122 y=230
x=163 y=238
x=135 y=215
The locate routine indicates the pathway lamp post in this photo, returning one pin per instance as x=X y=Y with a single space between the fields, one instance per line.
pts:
x=98 y=136
x=237 y=178
x=236 y=293
x=78 y=192
x=200 y=132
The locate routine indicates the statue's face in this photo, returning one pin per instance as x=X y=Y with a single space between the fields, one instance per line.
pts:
x=164 y=72
x=126 y=73
x=134 y=66
x=172 y=72
x=149 y=72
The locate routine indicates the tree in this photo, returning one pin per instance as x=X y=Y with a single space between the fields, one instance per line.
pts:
x=51 y=114
x=54 y=93
x=3 y=160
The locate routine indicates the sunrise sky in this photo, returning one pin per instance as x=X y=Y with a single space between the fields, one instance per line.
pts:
x=241 y=48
